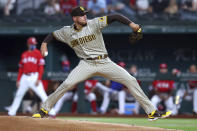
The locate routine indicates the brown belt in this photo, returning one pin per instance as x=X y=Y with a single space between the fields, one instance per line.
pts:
x=98 y=57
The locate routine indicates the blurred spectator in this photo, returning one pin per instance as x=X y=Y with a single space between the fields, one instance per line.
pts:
x=31 y=68
x=89 y=95
x=52 y=7
x=90 y=86
x=189 y=5
x=65 y=64
x=172 y=8
x=6 y=6
x=159 y=6
x=114 y=5
x=67 y=5
x=143 y=7
x=97 y=7
x=118 y=93
x=163 y=88
x=163 y=68
x=132 y=4
x=133 y=70
x=189 y=92
x=83 y=3
x=176 y=72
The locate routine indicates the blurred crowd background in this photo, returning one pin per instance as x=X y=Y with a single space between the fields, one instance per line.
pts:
x=137 y=9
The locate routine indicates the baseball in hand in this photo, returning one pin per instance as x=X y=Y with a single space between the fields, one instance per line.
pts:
x=45 y=53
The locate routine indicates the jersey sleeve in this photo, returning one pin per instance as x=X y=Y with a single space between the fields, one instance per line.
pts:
x=20 y=70
x=62 y=34
x=100 y=22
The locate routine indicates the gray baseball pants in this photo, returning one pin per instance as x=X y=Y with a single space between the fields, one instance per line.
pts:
x=106 y=68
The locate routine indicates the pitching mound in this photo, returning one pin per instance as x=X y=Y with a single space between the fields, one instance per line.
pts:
x=22 y=123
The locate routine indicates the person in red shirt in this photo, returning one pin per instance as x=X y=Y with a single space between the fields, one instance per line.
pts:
x=163 y=90
x=132 y=4
x=89 y=86
x=67 y=5
x=31 y=68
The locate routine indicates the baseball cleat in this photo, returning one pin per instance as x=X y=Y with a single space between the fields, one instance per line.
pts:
x=40 y=114
x=158 y=114
x=37 y=115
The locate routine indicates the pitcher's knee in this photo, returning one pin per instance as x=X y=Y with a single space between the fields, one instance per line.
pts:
x=130 y=81
x=133 y=78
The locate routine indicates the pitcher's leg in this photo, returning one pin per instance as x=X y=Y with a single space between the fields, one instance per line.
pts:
x=116 y=73
x=80 y=73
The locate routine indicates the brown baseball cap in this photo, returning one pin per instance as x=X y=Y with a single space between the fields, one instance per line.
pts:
x=78 y=11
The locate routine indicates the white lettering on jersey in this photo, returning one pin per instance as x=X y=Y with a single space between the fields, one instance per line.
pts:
x=29 y=59
x=163 y=85
x=83 y=40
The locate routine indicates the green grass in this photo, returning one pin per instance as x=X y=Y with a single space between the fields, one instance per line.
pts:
x=170 y=123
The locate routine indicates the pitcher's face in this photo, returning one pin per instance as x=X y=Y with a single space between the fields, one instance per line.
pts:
x=82 y=20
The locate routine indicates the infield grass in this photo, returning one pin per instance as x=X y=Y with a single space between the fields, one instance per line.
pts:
x=169 y=123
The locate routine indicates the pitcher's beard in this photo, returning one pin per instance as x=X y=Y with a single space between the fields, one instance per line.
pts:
x=82 y=24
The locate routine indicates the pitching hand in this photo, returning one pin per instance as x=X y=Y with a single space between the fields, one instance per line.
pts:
x=136 y=34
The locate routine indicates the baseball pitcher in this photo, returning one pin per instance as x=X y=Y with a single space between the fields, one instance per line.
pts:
x=85 y=38
x=31 y=68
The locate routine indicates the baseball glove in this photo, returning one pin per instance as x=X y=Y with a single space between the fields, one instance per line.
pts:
x=135 y=36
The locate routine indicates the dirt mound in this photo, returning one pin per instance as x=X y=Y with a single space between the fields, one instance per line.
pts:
x=22 y=123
